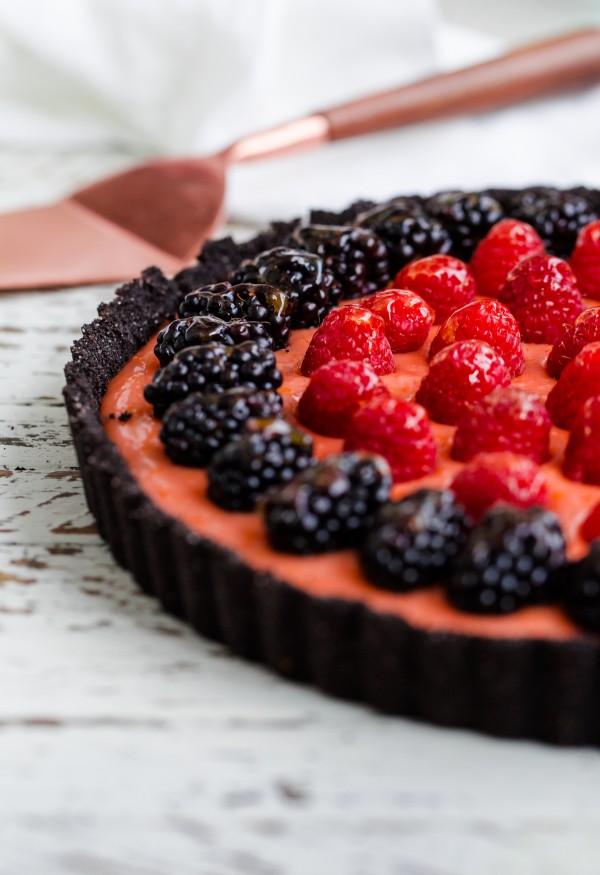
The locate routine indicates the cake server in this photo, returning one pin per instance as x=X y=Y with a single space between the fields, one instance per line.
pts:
x=161 y=212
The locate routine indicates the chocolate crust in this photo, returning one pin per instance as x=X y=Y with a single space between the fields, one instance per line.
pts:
x=524 y=688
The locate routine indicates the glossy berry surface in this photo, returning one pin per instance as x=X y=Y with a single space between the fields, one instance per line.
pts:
x=213 y=368
x=406 y=231
x=507 y=419
x=582 y=455
x=336 y=391
x=200 y=330
x=580 y=589
x=467 y=216
x=311 y=288
x=506 y=244
x=350 y=333
x=445 y=282
x=542 y=293
x=406 y=315
x=557 y=216
x=397 y=430
x=329 y=506
x=499 y=478
x=196 y=427
x=414 y=541
x=511 y=560
x=269 y=453
x=357 y=257
x=487 y=320
x=579 y=381
x=255 y=303
x=585 y=260
x=585 y=329
x=459 y=375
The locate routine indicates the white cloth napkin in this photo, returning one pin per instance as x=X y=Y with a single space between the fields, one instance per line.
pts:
x=188 y=76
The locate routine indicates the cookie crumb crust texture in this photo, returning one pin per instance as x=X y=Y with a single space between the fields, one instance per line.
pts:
x=511 y=688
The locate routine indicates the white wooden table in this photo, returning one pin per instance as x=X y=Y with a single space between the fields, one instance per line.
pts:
x=129 y=746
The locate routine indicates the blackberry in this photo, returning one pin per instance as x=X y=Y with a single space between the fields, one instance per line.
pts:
x=557 y=216
x=329 y=506
x=406 y=231
x=414 y=541
x=199 y=330
x=356 y=256
x=466 y=216
x=196 y=427
x=213 y=368
x=271 y=452
x=310 y=286
x=580 y=589
x=255 y=303
x=511 y=559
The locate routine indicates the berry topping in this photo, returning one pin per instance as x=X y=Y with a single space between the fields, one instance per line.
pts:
x=510 y=560
x=397 y=430
x=445 y=282
x=487 y=320
x=541 y=292
x=335 y=392
x=585 y=329
x=414 y=541
x=329 y=506
x=499 y=478
x=590 y=528
x=501 y=249
x=459 y=375
x=582 y=456
x=585 y=260
x=407 y=318
x=350 y=333
x=580 y=589
x=255 y=303
x=269 y=453
x=406 y=231
x=578 y=382
x=557 y=216
x=199 y=330
x=196 y=427
x=506 y=419
x=311 y=288
x=467 y=216
x=356 y=256
x=213 y=368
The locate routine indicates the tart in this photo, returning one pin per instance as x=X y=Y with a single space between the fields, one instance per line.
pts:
x=321 y=618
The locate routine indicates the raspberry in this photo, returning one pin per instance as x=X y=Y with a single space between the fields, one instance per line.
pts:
x=504 y=247
x=487 y=320
x=406 y=231
x=579 y=381
x=335 y=392
x=580 y=589
x=356 y=256
x=467 y=216
x=512 y=559
x=350 y=333
x=506 y=419
x=541 y=292
x=407 y=318
x=397 y=430
x=445 y=282
x=328 y=506
x=499 y=478
x=585 y=260
x=269 y=453
x=459 y=375
x=582 y=456
x=585 y=329
x=557 y=216
x=590 y=528
x=414 y=541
